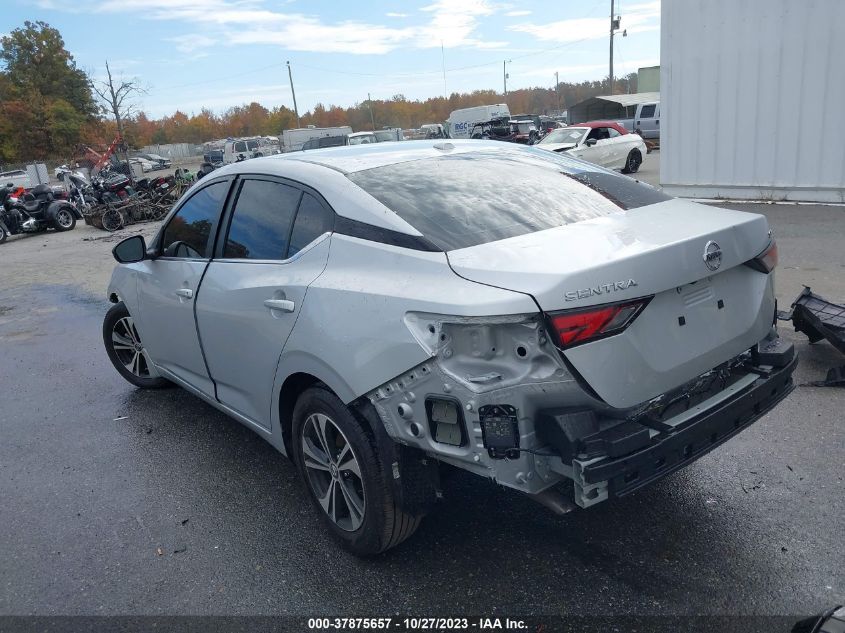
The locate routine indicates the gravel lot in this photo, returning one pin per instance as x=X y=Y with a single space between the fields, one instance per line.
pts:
x=118 y=501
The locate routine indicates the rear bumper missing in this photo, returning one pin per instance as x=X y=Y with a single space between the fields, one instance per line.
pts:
x=670 y=449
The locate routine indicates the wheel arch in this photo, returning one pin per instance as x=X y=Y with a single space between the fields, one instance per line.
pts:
x=296 y=373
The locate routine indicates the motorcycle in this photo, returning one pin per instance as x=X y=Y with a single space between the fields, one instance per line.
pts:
x=38 y=210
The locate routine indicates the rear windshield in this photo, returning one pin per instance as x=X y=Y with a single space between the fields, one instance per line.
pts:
x=464 y=200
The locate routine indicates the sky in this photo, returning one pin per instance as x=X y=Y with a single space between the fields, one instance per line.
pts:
x=194 y=54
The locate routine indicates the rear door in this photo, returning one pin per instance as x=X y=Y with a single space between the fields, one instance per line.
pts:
x=168 y=286
x=273 y=245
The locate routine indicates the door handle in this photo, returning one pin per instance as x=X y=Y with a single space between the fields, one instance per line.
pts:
x=285 y=305
x=187 y=293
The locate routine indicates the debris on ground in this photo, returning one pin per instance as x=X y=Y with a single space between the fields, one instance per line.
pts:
x=817 y=318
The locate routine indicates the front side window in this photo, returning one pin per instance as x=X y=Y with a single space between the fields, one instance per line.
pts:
x=261 y=220
x=312 y=220
x=240 y=146
x=188 y=231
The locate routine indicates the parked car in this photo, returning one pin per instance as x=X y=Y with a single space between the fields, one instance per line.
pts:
x=214 y=157
x=362 y=138
x=389 y=134
x=243 y=149
x=147 y=165
x=604 y=143
x=534 y=333
x=495 y=129
x=326 y=141
x=431 y=130
x=158 y=161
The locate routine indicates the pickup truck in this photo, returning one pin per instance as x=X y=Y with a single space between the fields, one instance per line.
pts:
x=646 y=121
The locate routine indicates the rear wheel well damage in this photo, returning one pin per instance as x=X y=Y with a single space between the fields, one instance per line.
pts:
x=292 y=388
x=413 y=478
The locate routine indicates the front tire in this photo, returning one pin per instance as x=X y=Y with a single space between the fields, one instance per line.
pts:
x=4 y=232
x=633 y=162
x=344 y=476
x=126 y=352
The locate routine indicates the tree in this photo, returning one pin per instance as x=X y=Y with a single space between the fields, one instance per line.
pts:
x=45 y=100
x=36 y=62
x=119 y=98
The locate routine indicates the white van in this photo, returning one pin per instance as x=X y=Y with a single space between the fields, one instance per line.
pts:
x=462 y=121
x=246 y=147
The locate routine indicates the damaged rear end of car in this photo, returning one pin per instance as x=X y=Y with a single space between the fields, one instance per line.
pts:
x=652 y=342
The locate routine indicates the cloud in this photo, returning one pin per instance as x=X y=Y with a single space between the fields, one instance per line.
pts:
x=450 y=23
x=517 y=14
x=637 y=18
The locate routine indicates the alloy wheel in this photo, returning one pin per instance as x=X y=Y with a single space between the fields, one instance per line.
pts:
x=127 y=345
x=64 y=219
x=334 y=472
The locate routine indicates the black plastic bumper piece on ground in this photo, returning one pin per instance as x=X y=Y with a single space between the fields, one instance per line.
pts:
x=669 y=452
x=818 y=319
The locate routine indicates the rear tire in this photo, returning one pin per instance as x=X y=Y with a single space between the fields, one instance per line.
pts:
x=64 y=220
x=344 y=476
x=4 y=232
x=633 y=162
x=126 y=352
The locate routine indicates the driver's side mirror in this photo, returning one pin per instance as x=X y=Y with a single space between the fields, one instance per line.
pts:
x=132 y=249
x=590 y=142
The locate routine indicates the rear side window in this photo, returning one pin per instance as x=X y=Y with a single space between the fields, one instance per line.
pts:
x=312 y=220
x=463 y=200
x=261 y=221
x=188 y=231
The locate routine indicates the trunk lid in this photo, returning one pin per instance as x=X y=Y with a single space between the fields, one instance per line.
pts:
x=655 y=250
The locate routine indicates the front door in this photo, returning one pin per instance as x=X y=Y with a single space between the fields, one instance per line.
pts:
x=275 y=246
x=168 y=285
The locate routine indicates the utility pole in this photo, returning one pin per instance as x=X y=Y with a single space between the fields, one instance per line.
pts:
x=443 y=61
x=557 y=92
x=295 y=109
x=615 y=21
x=505 y=75
x=370 y=106
x=610 y=75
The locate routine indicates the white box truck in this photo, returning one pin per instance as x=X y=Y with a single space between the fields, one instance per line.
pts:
x=292 y=140
x=462 y=121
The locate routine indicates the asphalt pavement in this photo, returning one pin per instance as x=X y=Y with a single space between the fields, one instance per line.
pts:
x=120 y=501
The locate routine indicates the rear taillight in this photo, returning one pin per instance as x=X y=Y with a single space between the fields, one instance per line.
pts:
x=766 y=261
x=574 y=327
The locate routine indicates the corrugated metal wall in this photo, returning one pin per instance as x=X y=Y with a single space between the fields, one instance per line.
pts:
x=753 y=98
x=174 y=150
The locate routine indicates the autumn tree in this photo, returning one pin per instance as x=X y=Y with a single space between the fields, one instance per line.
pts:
x=45 y=100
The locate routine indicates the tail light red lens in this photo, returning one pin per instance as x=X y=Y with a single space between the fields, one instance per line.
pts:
x=575 y=327
x=766 y=261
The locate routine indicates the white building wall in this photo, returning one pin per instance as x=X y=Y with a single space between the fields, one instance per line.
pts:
x=753 y=99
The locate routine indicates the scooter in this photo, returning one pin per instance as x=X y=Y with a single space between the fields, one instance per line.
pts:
x=37 y=211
